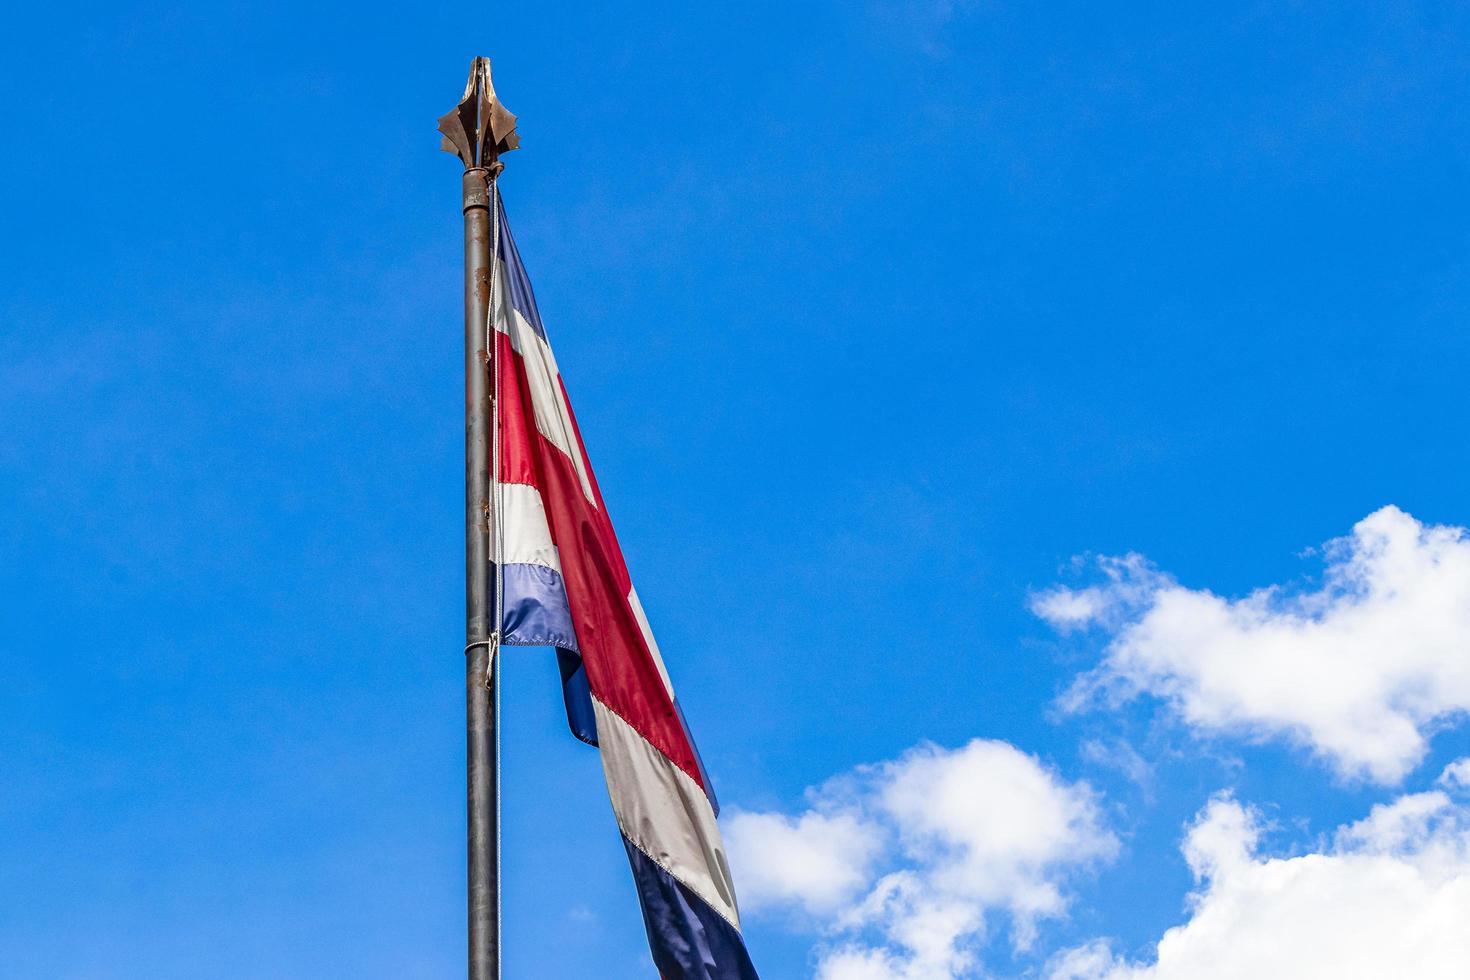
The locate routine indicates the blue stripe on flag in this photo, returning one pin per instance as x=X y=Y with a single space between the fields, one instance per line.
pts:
x=577 y=693
x=534 y=611
x=690 y=940
x=516 y=280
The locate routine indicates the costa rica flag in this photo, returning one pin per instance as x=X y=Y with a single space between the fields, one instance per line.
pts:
x=562 y=582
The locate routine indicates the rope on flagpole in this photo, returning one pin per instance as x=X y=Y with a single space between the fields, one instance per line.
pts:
x=496 y=519
x=496 y=544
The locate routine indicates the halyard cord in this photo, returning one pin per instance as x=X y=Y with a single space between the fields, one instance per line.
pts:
x=495 y=487
x=495 y=519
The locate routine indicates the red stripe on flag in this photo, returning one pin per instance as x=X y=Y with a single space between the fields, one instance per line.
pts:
x=620 y=667
x=516 y=419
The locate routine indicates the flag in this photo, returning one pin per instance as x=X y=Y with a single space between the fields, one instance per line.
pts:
x=563 y=583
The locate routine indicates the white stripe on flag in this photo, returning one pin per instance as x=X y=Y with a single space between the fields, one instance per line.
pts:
x=658 y=659
x=664 y=813
x=553 y=416
x=523 y=522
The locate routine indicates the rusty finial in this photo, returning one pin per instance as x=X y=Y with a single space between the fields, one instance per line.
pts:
x=479 y=129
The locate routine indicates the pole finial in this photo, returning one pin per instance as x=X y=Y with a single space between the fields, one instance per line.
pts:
x=479 y=128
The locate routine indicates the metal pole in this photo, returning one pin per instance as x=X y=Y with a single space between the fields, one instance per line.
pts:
x=480 y=733
x=478 y=130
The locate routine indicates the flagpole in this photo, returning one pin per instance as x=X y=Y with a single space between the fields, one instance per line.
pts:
x=477 y=130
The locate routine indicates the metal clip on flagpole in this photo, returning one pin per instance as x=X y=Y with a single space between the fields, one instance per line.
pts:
x=478 y=130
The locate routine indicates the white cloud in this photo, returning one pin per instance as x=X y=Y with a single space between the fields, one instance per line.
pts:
x=1360 y=670
x=1456 y=775
x=1129 y=583
x=818 y=861
x=1389 y=898
x=899 y=865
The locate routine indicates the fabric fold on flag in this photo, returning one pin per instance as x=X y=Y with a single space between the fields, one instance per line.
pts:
x=564 y=584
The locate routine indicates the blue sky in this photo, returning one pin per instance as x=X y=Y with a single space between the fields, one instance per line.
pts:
x=876 y=317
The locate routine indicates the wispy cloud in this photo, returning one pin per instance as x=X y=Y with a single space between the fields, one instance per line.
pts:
x=924 y=26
